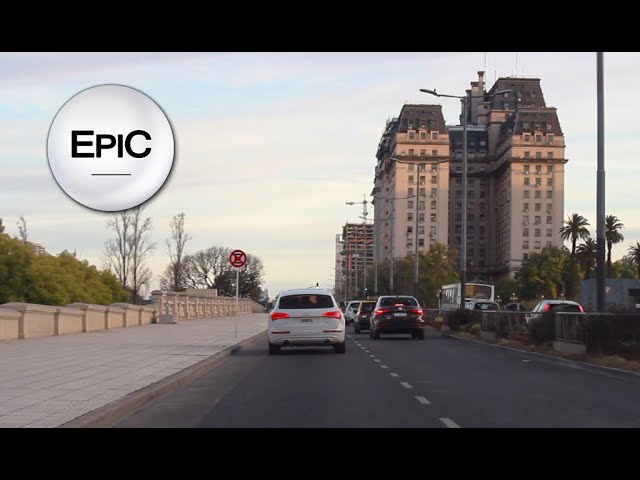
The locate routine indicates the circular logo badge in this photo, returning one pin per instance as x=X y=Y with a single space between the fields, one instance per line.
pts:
x=110 y=148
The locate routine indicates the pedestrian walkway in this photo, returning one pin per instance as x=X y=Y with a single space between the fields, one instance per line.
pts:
x=49 y=381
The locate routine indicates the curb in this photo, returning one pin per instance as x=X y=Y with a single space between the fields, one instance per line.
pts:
x=594 y=366
x=111 y=413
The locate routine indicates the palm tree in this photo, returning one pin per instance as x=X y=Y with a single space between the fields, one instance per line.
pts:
x=612 y=235
x=634 y=256
x=586 y=253
x=575 y=228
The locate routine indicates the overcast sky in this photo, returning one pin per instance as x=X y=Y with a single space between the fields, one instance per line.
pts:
x=270 y=146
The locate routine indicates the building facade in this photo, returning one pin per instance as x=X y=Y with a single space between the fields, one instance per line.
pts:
x=515 y=179
x=354 y=259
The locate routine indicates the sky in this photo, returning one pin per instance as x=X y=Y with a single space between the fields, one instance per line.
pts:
x=271 y=145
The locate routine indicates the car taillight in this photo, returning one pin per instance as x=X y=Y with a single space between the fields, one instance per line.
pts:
x=363 y=315
x=382 y=311
x=547 y=307
x=417 y=311
x=333 y=314
x=581 y=309
x=279 y=315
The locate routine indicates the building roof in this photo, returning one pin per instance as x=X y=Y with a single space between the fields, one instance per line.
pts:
x=419 y=116
x=524 y=92
x=531 y=120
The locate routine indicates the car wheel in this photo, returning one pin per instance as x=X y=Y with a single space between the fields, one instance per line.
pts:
x=340 y=347
x=420 y=335
x=274 y=349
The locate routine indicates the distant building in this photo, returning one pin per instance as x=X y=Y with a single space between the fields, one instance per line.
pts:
x=515 y=179
x=354 y=254
x=621 y=294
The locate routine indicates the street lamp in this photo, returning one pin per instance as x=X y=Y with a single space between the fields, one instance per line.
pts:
x=463 y=241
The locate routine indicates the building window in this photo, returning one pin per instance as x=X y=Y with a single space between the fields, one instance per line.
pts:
x=549 y=220
x=549 y=154
x=421 y=242
x=410 y=204
x=458 y=228
x=434 y=135
x=458 y=181
x=434 y=179
x=527 y=155
x=525 y=207
x=412 y=135
x=422 y=191
x=434 y=168
x=411 y=166
x=423 y=135
x=549 y=182
x=470 y=217
x=471 y=193
x=538 y=182
x=537 y=207
x=421 y=217
x=411 y=151
x=525 y=232
x=526 y=136
x=505 y=105
x=458 y=217
x=525 y=219
x=526 y=180
x=482 y=193
x=470 y=251
x=423 y=152
x=433 y=204
x=409 y=229
x=526 y=167
x=538 y=154
x=536 y=245
x=482 y=230
x=420 y=229
x=433 y=217
x=434 y=192
x=409 y=217
x=549 y=244
x=549 y=194
x=525 y=245
x=422 y=179
x=422 y=167
x=549 y=169
x=538 y=169
x=550 y=137
x=549 y=232
x=537 y=220
x=410 y=191
x=537 y=195
x=526 y=194
x=537 y=232
x=434 y=153
x=421 y=204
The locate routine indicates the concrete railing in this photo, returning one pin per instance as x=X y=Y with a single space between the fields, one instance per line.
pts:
x=26 y=320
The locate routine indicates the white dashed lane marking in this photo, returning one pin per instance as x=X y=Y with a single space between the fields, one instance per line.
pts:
x=405 y=385
x=383 y=366
x=372 y=356
x=377 y=360
x=394 y=374
x=449 y=423
x=423 y=400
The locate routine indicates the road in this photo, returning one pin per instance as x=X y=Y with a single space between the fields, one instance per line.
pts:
x=439 y=382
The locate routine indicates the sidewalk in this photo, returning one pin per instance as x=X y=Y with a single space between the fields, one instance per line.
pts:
x=49 y=381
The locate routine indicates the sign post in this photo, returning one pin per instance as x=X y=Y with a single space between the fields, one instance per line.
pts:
x=238 y=259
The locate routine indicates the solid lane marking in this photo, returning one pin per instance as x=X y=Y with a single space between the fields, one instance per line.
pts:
x=394 y=374
x=405 y=385
x=423 y=400
x=449 y=423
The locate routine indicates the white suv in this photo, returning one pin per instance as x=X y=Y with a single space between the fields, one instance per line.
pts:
x=306 y=317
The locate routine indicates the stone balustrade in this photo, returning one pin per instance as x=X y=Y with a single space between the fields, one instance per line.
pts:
x=25 y=320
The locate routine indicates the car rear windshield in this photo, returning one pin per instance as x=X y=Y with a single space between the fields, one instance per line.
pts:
x=391 y=301
x=368 y=307
x=293 y=302
x=565 y=307
x=485 y=306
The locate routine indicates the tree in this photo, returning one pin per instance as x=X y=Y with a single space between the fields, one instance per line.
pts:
x=612 y=228
x=543 y=274
x=634 y=256
x=623 y=268
x=22 y=229
x=506 y=287
x=575 y=228
x=586 y=254
x=15 y=262
x=1 y=227
x=437 y=268
x=126 y=254
x=140 y=246
x=175 y=270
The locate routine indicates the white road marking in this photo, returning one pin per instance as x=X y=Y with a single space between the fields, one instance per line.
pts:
x=372 y=356
x=394 y=374
x=423 y=400
x=377 y=360
x=405 y=385
x=367 y=351
x=449 y=423
x=383 y=366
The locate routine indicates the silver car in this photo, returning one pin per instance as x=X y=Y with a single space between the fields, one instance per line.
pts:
x=306 y=317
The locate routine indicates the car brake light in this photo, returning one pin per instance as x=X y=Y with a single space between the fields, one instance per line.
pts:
x=279 y=315
x=547 y=307
x=581 y=309
x=417 y=311
x=382 y=311
x=333 y=314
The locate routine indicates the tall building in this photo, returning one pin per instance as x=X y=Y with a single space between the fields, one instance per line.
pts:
x=515 y=179
x=354 y=255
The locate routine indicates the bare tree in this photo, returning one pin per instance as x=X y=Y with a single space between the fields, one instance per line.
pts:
x=140 y=247
x=179 y=238
x=205 y=268
x=22 y=229
x=1 y=226
x=117 y=252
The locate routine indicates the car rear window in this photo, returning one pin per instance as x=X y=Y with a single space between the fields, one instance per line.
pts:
x=368 y=307
x=293 y=302
x=391 y=301
x=565 y=307
x=485 y=306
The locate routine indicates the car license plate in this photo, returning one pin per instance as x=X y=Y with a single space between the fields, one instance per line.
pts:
x=306 y=320
x=403 y=314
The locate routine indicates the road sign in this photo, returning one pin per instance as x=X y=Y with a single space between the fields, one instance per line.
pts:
x=238 y=258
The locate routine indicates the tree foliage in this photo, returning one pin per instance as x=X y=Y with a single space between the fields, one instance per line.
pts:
x=634 y=257
x=52 y=279
x=543 y=274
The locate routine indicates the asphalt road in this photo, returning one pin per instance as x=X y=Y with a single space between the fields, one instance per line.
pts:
x=398 y=381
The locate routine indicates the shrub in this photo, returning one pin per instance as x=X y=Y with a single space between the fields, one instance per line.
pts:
x=437 y=323
x=475 y=329
x=542 y=328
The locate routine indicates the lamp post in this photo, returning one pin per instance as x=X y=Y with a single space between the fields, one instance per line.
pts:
x=463 y=241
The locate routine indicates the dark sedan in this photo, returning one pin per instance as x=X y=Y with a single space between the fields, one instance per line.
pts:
x=397 y=314
x=363 y=315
